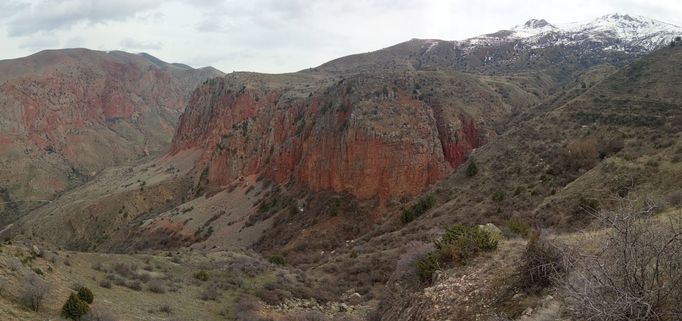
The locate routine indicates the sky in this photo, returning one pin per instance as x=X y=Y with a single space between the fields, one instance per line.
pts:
x=277 y=36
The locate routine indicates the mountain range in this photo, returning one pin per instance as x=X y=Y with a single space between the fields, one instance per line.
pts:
x=344 y=169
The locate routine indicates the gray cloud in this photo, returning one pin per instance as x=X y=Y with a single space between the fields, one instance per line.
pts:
x=50 y=15
x=132 y=44
x=279 y=35
x=74 y=42
x=9 y=8
x=39 y=43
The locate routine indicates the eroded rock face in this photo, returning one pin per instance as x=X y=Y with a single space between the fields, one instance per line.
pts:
x=67 y=114
x=371 y=136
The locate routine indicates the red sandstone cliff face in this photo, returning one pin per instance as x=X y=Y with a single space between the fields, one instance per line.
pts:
x=67 y=114
x=371 y=136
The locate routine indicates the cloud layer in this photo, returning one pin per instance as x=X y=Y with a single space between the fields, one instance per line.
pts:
x=277 y=35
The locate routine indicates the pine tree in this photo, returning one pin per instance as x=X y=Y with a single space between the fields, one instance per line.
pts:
x=74 y=308
x=86 y=295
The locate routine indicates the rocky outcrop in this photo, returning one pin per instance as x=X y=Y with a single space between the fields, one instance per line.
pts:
x=369 y=135
x=68 y=114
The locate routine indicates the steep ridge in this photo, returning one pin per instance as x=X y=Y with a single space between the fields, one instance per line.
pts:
x=265 y=147
x=68 y=114
x=620 y=137
x=356 y=135
x=373 y=138
x=558 y=50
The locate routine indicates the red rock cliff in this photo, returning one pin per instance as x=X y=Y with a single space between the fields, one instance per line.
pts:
x=367 y=135
x=66 y=114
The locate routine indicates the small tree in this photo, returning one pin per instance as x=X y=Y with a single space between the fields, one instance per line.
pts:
x=635 y=273
x=74 y=308
x=86 y=295
x=472 y=169
x=33 y=291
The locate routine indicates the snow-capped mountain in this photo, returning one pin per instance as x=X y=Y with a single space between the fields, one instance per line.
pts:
x=618 y=32
x=614 y=39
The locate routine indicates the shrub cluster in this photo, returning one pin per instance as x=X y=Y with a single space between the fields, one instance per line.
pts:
x=543 y=264
x=277 y=260
x=457 y=245
x=417 y=209
x=472 y=169
x=74 y=307
x=518 y=226
x=201 y=276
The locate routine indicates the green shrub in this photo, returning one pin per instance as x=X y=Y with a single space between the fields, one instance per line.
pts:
x=472 y=169
x=417 y=209
x=499 y=196
x=518 y=226
x=428 y=265
x=461 y=242
x=201 y=275
x=74 y=308
x=278 y=260
x=458 y=244
x=86 y=295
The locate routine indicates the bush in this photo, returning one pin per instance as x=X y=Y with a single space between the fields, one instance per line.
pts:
x=33 y=291
x=165 y=308
x=472 y=169
x=278 y=260
x=464 y=241
x=457 y=245
x=499 y=196
x=417 y=209
x=209 y=293
x=122 y=269
x=105 y=283
x=427 y=266
x=407 y=264
x=518 y=226
x=634 y=273
x=157 y=286
x=74 y=308
x=86 y=295
x=134 y=285
x=543 y=264
x=581 y=153
x=99 y=314
x=201 y=276
x=589 y=205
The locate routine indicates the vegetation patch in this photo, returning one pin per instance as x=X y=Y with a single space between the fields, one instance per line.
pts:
x=458 y=244
x=417 y=209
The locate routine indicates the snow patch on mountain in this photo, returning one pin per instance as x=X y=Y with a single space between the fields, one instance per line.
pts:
x=612 y=32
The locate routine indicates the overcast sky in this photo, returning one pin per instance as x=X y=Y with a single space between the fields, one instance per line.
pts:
x=278 y=35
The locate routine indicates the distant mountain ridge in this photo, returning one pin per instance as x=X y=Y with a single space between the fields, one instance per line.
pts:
x=620 y=32
x=537 y=44
x=67 y=114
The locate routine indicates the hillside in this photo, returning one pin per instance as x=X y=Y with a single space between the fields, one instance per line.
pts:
x=68 y=114
x=354 y=173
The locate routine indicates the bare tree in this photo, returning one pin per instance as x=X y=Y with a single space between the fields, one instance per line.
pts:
x=636 y=271
x=33 y=291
